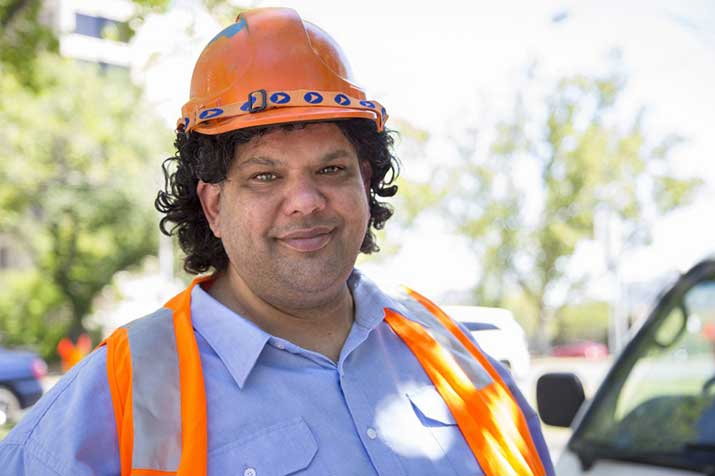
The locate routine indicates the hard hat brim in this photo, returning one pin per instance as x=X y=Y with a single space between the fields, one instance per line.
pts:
x=285 y=115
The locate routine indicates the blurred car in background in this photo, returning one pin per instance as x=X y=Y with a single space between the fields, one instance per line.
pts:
x=498 y=334
x=654 y=413
x=21 y=373
x=586 y=348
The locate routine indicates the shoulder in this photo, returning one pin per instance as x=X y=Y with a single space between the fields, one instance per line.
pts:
x=161 y=318
x=80 y=405
x=88 y=377
x=137 y=341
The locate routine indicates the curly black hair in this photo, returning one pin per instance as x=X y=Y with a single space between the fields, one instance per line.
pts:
x=208 y=158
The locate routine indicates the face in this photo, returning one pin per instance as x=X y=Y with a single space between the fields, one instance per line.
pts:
x=292 y=213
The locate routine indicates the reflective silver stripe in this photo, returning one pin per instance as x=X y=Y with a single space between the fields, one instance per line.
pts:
x=156 y=399
x=418 y=313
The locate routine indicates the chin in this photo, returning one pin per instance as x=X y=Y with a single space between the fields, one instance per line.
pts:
x=318 y=283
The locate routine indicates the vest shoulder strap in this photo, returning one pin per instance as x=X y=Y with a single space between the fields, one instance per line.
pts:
x=447 y=338
x=143 y=374
x=486 y=412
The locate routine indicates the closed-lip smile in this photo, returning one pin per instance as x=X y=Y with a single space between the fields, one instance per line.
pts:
x=307 y=240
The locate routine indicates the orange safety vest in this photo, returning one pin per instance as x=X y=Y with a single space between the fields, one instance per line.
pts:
x=162 y=429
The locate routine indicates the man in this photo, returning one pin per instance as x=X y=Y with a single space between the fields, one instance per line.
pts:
x=284 y=359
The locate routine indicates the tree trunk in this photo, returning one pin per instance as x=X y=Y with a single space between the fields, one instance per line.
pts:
x=541 y=341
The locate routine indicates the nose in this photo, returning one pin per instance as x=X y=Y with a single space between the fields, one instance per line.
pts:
x=303 y=196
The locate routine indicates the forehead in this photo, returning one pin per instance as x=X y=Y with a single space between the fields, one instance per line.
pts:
x=295 y=144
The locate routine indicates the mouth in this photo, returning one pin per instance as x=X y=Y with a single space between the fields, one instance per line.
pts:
x=307 y=240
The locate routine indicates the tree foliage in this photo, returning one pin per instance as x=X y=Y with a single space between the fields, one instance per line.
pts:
x=27 y=33
x=79 y=151
x=79 y=166
x=582 y=321
x=23 y=37
x=530 y=195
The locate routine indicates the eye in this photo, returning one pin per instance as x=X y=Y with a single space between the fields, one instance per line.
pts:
x=330 y=169
x=264 y=177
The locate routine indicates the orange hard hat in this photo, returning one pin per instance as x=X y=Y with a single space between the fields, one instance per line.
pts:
x=270 y=67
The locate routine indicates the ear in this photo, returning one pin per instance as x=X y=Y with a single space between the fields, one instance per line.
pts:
x=366 y=172
x=210 y=197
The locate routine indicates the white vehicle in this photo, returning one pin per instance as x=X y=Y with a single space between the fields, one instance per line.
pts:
x=654 y=414
x=497 y=333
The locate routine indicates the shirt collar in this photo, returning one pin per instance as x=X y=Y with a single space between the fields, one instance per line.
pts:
x=370 y=301
x=239 y=342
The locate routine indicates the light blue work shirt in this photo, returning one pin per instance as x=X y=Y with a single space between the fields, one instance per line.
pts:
x=273 y=408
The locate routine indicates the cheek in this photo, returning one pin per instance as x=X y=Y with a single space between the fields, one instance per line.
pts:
x=261 y=224
x=247 y=214
x=359 y=207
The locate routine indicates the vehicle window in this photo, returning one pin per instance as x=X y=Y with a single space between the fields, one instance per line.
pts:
x=479 y=326
x=661 y=399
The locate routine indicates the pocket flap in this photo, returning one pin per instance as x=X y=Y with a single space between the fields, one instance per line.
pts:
x=429 y=406
x=277 y=450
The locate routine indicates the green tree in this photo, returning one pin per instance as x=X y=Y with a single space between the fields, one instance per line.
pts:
x=79 y=167
x=79 y=149
x=584 y=320
x=582 y=157
x=23 y=37
x=26 y=34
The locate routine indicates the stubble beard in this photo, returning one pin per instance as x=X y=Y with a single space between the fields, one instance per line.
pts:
x=288 y=280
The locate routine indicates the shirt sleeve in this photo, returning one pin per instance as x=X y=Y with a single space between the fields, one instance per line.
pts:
x=70 y=431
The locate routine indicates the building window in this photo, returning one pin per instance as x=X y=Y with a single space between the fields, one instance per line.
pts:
x=104 y=28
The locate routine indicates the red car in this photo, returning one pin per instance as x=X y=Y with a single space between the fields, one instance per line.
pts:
x=588 y=349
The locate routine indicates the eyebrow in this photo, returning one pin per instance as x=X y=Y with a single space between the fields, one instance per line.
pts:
x=269 y=162
x=258 y=160
x=336 y=154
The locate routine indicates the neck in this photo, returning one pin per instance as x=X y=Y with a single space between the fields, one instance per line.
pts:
x=321 y=326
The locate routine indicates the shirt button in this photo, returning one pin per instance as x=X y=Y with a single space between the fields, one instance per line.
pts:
x=371 y=433
x=249 y=472
x=281 y=346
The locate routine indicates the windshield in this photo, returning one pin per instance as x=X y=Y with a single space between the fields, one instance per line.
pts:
x=658 y=403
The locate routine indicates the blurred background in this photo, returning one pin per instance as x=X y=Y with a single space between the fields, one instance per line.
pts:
x=557 y=162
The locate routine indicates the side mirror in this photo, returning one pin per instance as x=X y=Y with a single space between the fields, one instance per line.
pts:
x=558 y=398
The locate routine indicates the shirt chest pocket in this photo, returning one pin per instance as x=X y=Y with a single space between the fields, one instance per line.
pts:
x=435 y=416
x=431 y=408
x=286 y=448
